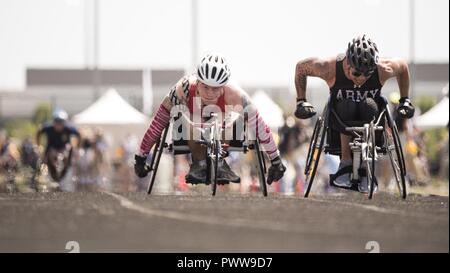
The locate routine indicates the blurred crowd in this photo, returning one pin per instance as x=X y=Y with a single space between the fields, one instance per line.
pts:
x=93 y=168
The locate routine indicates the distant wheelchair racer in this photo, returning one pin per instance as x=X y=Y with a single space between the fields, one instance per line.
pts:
x=58 y=151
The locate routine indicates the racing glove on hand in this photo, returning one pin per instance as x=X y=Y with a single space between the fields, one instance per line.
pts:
x=304 y=109
x=405 y=108
x=140 y=166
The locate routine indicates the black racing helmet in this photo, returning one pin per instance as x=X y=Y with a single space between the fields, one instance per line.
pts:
x=362 y=55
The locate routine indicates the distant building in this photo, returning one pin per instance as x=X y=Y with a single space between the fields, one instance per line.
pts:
x=75 y=89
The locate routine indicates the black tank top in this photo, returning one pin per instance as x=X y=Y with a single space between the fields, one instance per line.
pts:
x=344 y=88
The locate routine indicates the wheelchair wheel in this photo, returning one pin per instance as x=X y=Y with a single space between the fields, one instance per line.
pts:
x=314 y=152
x=213 y=165
x=312 y=144
x=370 y=161
x=395 y=151
x=261 y=169
x=157 y=152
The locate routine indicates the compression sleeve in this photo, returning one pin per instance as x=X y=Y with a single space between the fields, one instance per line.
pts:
x=153 y=133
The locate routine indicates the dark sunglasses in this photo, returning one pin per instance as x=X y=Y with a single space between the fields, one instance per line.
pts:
x=356 y=73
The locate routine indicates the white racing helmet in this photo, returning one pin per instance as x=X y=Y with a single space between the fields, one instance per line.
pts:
x=213 y=70
x=60 y=115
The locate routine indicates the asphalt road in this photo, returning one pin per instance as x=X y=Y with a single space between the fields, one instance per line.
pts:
x=229 y=222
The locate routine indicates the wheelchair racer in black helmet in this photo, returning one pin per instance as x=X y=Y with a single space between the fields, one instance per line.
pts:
x=355 y=80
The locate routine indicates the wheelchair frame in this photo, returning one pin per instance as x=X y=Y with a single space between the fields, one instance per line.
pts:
x=364 y=148
x=215 y=150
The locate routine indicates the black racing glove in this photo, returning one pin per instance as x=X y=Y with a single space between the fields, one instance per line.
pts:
x=276 y=170
x=304 y=109
x=405 y=108
x=140 y=166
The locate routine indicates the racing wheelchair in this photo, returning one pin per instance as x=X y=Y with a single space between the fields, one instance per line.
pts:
x=369 y=142
x=54 y=162
x=216 y=149
x=59 y=161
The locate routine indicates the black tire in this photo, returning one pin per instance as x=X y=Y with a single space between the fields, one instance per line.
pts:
x=52 y=170
x=261 y=169
x=315 y=150
x=154 y=164
x=312 y=144
x=370 y=164
x=214 y=166
x=396 y=156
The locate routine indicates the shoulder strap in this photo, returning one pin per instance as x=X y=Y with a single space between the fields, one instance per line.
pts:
x=339 y=67
x=190 y=88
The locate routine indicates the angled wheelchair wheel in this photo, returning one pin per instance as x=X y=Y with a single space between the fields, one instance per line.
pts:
x=370 y=162
x=395 y=152
x=261 y=168
x=314 y=152
x=213 y=165
x=312 y=144
x=154 y=163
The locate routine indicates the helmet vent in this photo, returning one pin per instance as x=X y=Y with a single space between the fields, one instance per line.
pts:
x=200 y=74
x=213 y=72
x=207 y=70
x=220 y=74
x=224 y=80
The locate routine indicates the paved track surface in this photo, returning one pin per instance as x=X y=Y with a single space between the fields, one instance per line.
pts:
x=197 y=222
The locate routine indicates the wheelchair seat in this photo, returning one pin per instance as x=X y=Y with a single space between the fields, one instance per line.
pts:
x=180 y=146
x=326 y=138
x=333 y=137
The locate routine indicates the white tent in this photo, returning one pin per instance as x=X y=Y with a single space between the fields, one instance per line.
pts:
x=270 y=112
x=110 y=108
x=435 y=117
x=115 y=117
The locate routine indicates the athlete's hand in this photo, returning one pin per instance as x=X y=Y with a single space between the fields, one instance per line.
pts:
x=140 y=166
x=405 y=108
x=304 y=109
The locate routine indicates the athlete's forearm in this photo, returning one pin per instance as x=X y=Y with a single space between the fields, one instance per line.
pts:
x=301 y=74
x=403 y=80
x=263 y=134
x=153 y=133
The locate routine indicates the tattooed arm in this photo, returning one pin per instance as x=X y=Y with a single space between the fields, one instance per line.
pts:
x=398 y=68
x=315 y=67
